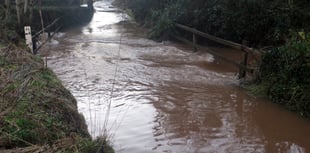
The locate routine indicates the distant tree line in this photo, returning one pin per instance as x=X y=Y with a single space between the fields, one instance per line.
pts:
x=15 y=14
x=261 y=22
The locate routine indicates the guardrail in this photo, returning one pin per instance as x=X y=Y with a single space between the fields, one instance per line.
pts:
x=243 y=65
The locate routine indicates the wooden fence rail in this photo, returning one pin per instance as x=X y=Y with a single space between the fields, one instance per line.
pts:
x=210 y=37
x=48 y=30
x=220 y=40
x=248 y=69
x=243 y=65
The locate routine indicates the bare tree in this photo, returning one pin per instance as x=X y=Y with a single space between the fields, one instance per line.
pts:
x=7 y=11
x=26 y=4
x=18 y=11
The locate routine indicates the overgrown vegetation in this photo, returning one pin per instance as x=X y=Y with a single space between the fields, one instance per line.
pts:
x=284 y=70
x=13 y=18
x=285 y=75
x=261 y=22
x=8 y=27
x=36 y=111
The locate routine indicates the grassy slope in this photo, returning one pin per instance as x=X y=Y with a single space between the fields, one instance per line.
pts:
x=36 y=111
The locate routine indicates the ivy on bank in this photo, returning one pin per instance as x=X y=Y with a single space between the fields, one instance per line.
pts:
x=285 y=75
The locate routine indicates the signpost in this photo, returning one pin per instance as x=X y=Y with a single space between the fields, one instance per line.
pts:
x=28 y=38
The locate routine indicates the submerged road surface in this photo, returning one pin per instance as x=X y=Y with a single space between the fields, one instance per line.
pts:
x=165 y=97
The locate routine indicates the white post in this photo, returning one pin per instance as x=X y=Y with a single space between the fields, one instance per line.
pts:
x=28 y=37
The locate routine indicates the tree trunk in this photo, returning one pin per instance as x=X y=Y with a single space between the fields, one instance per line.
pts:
x=26 y=6
x=30 y=6
x=18 y=11
x=7 y=11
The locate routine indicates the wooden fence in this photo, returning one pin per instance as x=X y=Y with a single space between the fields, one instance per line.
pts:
x=242 y=65
x=54 y=26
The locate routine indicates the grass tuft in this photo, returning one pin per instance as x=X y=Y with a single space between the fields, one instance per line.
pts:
x=36 y=110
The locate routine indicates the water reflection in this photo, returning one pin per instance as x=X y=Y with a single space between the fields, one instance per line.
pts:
x=206 y=118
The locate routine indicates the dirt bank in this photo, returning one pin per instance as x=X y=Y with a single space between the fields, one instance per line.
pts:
x=37 y=114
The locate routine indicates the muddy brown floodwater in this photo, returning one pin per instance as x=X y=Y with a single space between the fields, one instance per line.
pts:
x=166 y=98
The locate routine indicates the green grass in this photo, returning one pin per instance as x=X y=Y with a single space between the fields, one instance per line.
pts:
x=94 y=146
x=258 y=90
x=2 y=61
x=42 y=111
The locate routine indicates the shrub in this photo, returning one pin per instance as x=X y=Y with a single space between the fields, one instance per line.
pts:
x=162 y=21
x=261 y=22
x=286 y=71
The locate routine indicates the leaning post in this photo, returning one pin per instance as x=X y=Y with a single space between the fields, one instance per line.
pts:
x=195 y=41
x=244 y=62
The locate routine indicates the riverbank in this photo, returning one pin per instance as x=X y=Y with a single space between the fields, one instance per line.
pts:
x=284 y=76
x=37 y=114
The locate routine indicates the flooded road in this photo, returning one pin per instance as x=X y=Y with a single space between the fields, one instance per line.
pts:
x=165 y=97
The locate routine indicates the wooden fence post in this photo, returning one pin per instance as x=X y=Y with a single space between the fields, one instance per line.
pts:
x=243 y=64
x=49 y=35
x=242 y=71
x=18 y=11
x=195 y=41
x=34 y=45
